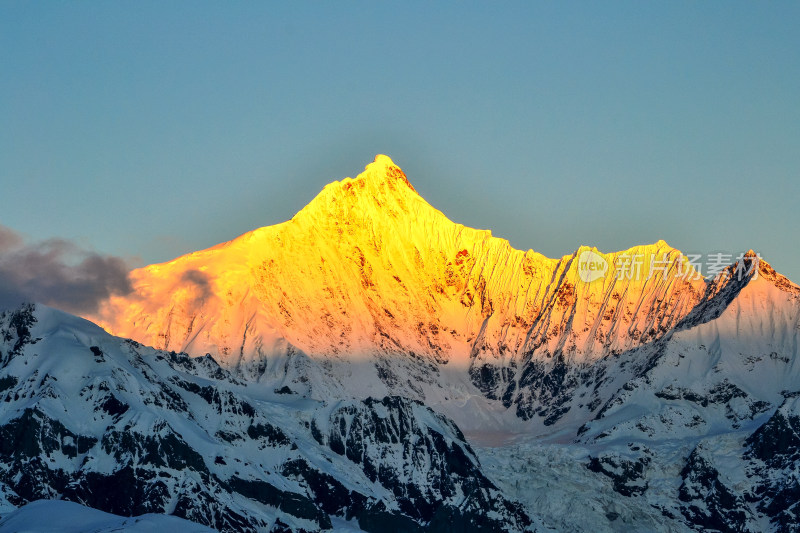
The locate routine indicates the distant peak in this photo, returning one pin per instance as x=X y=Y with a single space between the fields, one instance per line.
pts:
x=383 y=168
x=381 y=184
x=766 y=271
x=381 y=161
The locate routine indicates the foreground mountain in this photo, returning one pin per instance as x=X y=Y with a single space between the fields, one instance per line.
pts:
x=126 y=429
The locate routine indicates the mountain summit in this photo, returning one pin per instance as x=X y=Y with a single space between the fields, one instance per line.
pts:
x=369 y=290
x=382 y=185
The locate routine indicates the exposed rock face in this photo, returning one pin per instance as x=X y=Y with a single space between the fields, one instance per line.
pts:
x=709 y=503
x=130 y=430
x=404 y=446
x=774 y=454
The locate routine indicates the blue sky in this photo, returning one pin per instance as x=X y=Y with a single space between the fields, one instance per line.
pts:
x=150 y=129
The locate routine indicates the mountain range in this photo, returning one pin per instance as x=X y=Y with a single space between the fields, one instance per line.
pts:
x=370 y=364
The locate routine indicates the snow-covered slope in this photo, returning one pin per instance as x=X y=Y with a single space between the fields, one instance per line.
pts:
x=722 y=369
x=55 y=516
x=120 y=427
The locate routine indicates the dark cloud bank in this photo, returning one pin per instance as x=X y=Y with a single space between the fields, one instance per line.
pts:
x=57 y=273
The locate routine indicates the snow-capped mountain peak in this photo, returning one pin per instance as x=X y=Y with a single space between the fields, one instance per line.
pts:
x=369 y=290
x=381 y=189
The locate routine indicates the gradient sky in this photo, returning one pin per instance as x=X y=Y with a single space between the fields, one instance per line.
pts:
x=150 y=129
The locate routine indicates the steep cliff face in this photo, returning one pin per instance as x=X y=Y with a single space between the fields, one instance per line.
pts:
x=369 y=290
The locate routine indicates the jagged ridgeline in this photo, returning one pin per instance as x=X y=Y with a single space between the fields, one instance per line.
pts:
x=370 y=291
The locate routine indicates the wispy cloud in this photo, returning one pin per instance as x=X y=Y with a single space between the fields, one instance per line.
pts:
x=201 y=282
x=58 y=273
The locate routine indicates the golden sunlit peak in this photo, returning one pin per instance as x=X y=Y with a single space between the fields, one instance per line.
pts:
x=381 y=189
x=383 y=168
x=382 y=161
